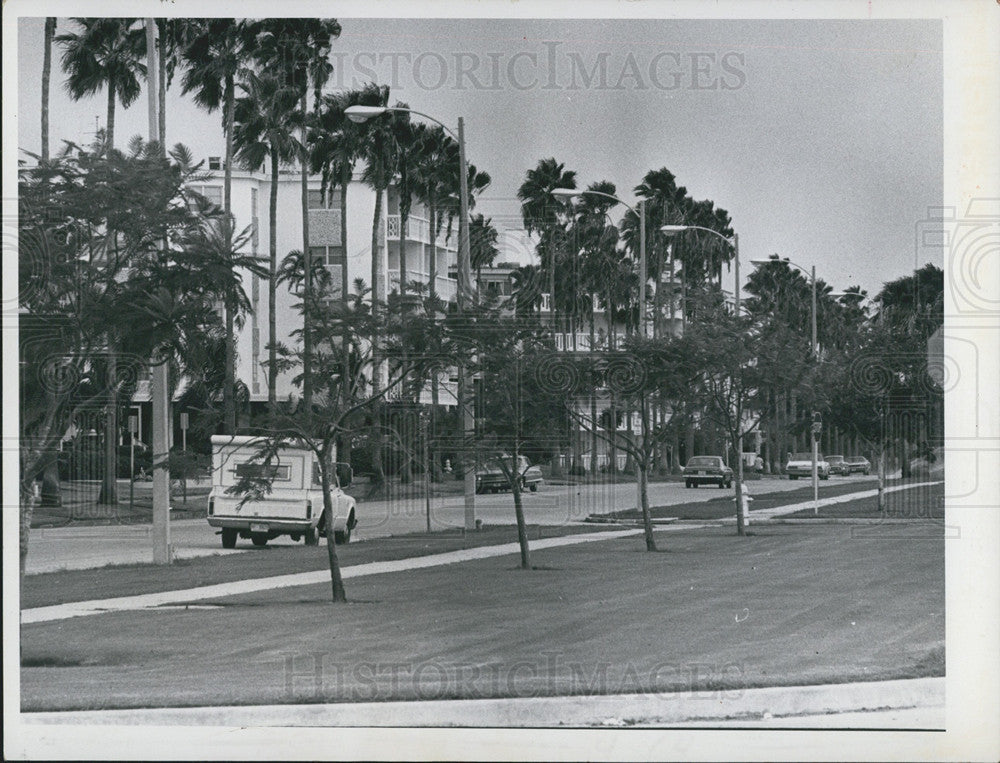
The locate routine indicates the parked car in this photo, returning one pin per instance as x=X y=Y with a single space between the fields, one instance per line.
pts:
x=491 y=478
x=707 y=470
x=858 y=464
x=293 y=507
x=800 y=465
x=838 y=465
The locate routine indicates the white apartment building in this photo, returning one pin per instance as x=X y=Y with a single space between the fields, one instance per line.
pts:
x=250 y=202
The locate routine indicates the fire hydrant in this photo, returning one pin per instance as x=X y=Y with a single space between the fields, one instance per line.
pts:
x=745 y=499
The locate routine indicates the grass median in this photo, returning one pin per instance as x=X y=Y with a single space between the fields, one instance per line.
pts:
x=716 y=613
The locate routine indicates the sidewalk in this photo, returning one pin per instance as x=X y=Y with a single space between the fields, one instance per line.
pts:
x=878 y=704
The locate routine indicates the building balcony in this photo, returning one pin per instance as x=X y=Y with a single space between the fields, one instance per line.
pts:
x=446 y=288
x=419 y=229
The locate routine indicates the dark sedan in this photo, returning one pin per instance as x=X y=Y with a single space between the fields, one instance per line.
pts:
x=707 y=470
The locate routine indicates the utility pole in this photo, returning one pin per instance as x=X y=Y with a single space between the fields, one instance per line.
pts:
x=162 y=552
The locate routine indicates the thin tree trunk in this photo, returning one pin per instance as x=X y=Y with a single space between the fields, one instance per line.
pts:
x=336 y=579
x=432 y=291
x=647 y=519
x=229 y=384
x=272 y=290
x=522 y=530
x=593 y=407
x=307 y=382
x=50 y=30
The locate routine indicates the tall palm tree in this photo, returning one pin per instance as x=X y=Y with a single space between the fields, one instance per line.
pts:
x=214 y=57
x=261 y=132
x=50 y=30
x=105 y=53
x=407 y=137
x=434 y=155
x=483 y=238
x=544 y=214
x=297 y=50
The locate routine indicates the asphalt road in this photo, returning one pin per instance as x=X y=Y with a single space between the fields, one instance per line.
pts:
x=58 y=548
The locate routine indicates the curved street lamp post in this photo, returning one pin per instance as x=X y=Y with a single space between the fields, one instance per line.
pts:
x=814 y=351
x=734 y=242
x=363 y=114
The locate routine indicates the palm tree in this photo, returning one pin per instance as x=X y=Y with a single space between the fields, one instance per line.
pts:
x=50 y=30
x=544 y=214
x=434 y=155
x=261 y=131
x=483 y=249
x=407 y=136
x=215 y=56
x=297 y=50
x=105 y=53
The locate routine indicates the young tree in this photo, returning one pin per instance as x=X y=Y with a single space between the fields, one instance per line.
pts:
x=96 y=297
x=342 y=392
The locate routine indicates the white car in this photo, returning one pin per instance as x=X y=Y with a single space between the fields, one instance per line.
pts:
x=801 y=465
x=293 y=507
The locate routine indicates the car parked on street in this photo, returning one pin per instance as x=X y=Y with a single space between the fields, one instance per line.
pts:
x=858 y=465
x=838 y=465
x=800 y=465
x=490 y=478
x=707 y=470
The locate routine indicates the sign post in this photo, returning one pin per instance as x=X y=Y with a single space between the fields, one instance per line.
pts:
x=817 y=430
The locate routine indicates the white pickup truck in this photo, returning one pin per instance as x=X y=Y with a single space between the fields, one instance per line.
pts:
x=294 y=506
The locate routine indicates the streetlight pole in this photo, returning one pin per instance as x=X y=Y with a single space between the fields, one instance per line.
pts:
x=364 y=113
x=158 y=388
x=639 y=211
x=734 y=242
x=814 y=351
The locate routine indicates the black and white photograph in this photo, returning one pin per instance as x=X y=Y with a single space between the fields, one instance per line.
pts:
x=471 y=381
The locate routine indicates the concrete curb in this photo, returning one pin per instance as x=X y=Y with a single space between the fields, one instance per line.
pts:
x=769 y=705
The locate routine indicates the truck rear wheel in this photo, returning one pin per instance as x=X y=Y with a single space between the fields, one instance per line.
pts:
x=311 y=536
x=229 y=538
x=342 y=537
x=259 y=539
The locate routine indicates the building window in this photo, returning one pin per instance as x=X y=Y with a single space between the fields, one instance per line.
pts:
x=328 y=255
x=212 y=193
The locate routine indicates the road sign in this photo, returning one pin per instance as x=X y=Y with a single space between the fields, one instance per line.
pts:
x=184 y=421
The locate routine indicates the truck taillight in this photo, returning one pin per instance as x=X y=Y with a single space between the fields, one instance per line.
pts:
x=211 y=506
x=309 y=509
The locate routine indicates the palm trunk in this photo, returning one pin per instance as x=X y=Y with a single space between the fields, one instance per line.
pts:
x=522 y=530
x=272 y=290
x=307 y=382
x=110 y=130
x=345 y=180
x=378 y=289
x=50 y=30
x=593 y=407
x=162 y=84
x=229 y=384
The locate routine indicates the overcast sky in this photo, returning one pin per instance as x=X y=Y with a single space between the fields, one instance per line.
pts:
x=823 y=139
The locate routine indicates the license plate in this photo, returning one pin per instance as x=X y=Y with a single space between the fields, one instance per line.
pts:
x=701 y=474
x=258 y=528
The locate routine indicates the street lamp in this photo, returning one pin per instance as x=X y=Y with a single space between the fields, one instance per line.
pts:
x=812 y=281
x=363 y=114
x=570 y=193
x=638 y=210
x=815 y=351
x=734 y=242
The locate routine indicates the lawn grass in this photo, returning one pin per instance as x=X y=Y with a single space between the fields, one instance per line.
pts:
x=916 y=504
x=790 y=604
x=66 y=586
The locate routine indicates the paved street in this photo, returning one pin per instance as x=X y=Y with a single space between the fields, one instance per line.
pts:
x=96 y=546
